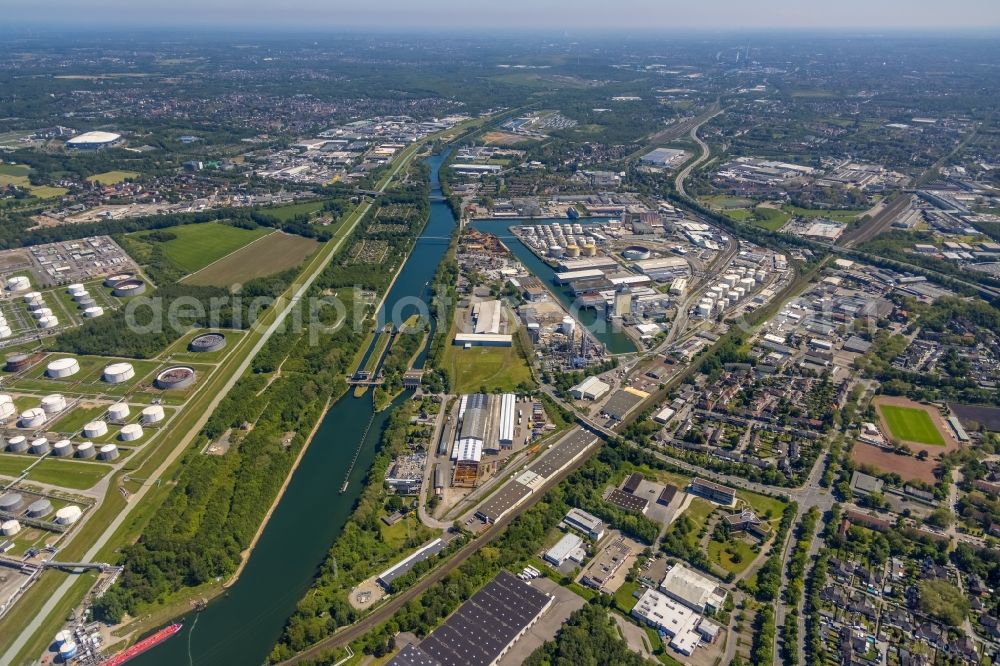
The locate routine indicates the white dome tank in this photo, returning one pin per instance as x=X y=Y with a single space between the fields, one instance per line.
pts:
x=42 y=313
x=10 y=527
x=18 y=283
x=86 y=450
x=153 y=414
x=40 y=446
x=95 y=429
x=68 y=515
x=64 y=636
x=33 y=297
x=17 y=444
x=75 y=289
x=568 y=325
x=53 y=404
x=116 y=373
x=62 y=449
x=93 y=311
x=118 y=411
x=108 y=452
x=48 y=322
x=131 y=432
x=62 y=367
x=7 y=408
x=32 y=418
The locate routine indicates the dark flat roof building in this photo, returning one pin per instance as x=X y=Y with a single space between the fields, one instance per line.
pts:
x=632 y=483
x=483 y=628
x=627 y=501
x=620 y=404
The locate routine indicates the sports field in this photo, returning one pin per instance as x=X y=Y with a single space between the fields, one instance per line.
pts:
x=198 y=245
x=911 y=424
x=273 y=254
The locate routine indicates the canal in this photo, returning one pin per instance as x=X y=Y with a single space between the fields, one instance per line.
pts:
x=614 y=341
x=241 y=626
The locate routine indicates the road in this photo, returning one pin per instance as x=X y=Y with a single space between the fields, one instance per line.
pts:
x=686 y=171
x=285 y=307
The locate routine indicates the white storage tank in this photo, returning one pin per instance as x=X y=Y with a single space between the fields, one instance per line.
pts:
x=64 y=636
x=7 y=408
x=740 y=292
x=118 y=411
x=81 y=297
x=568 y=326
x=62 y=367
x=32 y=418
x=116 y=373
x=729 y=280
x=62 y=449
x=33 y=297
x=152 y=414
x=17 y=444
x=131 y=432
x=747 y=283
x=704 y=310
x=5 y=330
x=18 y=283
x=53 y=404
x=68 y=515
x=95 y=429
x=67 y=651
x=85 y=450
x=40 y=446
x=76 y=288
x=48 y=322
x=10 y=527
x=556 y=251
x=40 y=507
x=93 y=312
x=41 y=313
x=108 y=452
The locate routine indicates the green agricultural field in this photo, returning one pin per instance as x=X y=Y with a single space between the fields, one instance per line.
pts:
x=112 y=177
x=75 y=474
x=835 y=215
x=770 y=218
x=911 y=424
x=14 y=169
x=488 y=368
x=198 y=245
x=278 y=253
x=285 y=213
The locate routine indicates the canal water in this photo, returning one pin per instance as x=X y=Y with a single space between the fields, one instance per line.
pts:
x=241 y=627
x=614 y=341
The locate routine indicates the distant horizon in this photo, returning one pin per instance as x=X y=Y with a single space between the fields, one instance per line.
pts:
x=881 y=16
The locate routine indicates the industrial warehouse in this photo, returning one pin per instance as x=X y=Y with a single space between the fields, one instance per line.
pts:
x=483 y=629
x=490 y=426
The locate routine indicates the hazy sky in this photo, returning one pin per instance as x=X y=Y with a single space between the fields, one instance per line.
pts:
x=549 y=14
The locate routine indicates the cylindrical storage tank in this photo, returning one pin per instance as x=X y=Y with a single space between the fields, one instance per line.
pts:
x=41 y=313
x=86 y=302
x=116 y=373
x=68 y=515
x=108 y=452
x=7 y=409
x=152 y=414
x=62 y=449
x=76 y=288
x=556 y=251
x=729 y=280
x=704 y=310
x=761 y=276
x=95 y=429
x=118 y=411
x=39 y=508
x=209 y=342
x=589 y=250
x=17 y=444
x=131 y=432
x=11 y=502
x=64 y=636
x=85 y=450
x=636 y=252
x=18 y=283
x=82 y=296
x=48 y=322
x=177 y=377
x=568 y=325
x=112 y=280
x=5 y=330
x=32 y=418
x=33 y=297
x=734 y=297
x=40 y=446
x=67 y=651
x=62 y=367
x=53 y=404
x=572 y=250
x=35 y=306
x=747 y=283
x=93 y=312
x=129 y=288
x=10 y=527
